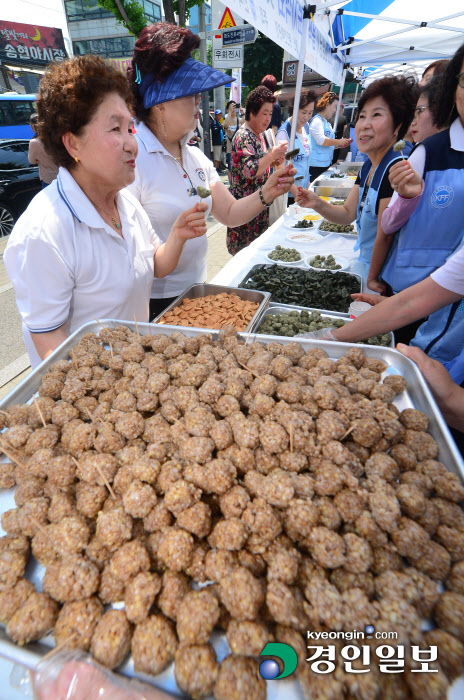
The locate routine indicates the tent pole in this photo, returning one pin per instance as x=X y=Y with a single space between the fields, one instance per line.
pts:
x=299 y=81
x=340 y=95
x=356 y=95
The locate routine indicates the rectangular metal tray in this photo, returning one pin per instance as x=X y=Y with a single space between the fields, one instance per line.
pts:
x=286 y=309
x=196 y=291
x=343 y=167
x=343 y=314
x=417 y=396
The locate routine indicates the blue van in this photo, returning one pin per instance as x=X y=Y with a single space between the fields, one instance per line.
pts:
x=15 y=111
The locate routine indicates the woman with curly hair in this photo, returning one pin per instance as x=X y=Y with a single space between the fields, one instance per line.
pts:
x=166 y=82
x=385 y=112
x=251 y=163
x=84 y=248
x=323 y=141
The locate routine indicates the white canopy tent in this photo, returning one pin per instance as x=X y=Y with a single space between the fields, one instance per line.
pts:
x=331 y=36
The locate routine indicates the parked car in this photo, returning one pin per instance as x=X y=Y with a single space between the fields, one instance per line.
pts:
x=19 y=182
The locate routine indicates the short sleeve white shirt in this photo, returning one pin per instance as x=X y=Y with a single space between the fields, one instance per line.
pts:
x=451 y=275
x=316 y=128
x=162 y=187
x=68 y=266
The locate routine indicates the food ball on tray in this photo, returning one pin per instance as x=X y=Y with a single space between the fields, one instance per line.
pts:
x=293 y=490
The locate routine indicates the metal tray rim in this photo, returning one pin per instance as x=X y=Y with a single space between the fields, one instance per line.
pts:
x=259 y=311
x=29 y=656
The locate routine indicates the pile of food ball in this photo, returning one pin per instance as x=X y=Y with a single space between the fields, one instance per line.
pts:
x=336 y=228
x=284 y=254
x=287 y=481
x=298 y=322
x=324 y=262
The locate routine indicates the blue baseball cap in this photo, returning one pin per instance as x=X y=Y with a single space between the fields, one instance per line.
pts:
x=218 y=111
x=191 y=78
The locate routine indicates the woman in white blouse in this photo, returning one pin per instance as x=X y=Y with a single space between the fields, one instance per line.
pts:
x=83 y=249
x=167 y=83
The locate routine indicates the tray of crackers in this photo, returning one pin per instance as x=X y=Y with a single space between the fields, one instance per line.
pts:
x=213 y=306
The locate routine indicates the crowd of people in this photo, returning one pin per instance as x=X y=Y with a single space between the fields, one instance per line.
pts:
x=119 y=232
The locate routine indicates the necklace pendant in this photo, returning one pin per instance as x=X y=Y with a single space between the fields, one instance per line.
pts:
x=115 y=223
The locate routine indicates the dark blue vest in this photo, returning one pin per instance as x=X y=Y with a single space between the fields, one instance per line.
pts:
x=436 y=228
x=366 y=219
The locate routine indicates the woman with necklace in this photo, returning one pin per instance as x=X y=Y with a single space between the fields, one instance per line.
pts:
x=385 y=112
x=84 y=248
x=166 y=83
x=251 y=163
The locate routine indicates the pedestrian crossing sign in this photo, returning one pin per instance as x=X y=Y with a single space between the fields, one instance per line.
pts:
x=227 y=20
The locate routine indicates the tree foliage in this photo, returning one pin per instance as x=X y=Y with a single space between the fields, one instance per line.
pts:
x=262 y=58
x=129 y=13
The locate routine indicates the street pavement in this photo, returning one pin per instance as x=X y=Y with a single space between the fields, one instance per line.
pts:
x=14 y=362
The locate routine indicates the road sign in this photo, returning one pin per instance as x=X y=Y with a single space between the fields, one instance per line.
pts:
x=227 y=20
x=245 y=34
x=228 y=57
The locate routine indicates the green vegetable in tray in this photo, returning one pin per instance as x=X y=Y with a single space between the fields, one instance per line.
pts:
x=297 y=322
x=325 y=263
x=336 y=228
x=300 y=177
x=304 y=223
x=338 y=202
x=291 y=285
x=337 y=175
x=285 y=254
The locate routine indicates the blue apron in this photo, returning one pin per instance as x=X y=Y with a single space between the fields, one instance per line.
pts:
x=367 y=219
x=301 y=161
x=456 y=368
x=436 y=228
x=441 y=336
x=322 y=156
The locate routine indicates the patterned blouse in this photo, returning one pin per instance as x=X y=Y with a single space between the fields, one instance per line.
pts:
x=247 y=149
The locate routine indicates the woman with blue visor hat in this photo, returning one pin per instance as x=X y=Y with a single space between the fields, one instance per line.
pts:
x=167 y=83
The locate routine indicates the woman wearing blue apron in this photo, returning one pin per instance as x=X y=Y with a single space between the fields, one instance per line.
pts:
x=302 y=138
x=385 y=112
x=323 y=139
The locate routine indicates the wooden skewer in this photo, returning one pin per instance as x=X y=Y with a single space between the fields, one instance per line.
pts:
x=37 y=405
x=107 y=483
x=347 y=432
x=111 y=350
x=255 y=374
x=99 y=322
x=137 y=329
x=5 y=413
x=10 y=455
x=99 y=470
x=40 y=527
x=248 y=337
x=57 y=648
x=291 y=437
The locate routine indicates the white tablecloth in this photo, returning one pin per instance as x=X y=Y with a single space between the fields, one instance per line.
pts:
x=254 y=254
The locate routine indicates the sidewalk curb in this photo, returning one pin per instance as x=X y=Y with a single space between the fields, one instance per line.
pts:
x=214 y=229
x=13 y=369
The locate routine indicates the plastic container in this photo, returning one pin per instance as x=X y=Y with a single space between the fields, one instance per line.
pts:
x=349 y=157
x=357 y=308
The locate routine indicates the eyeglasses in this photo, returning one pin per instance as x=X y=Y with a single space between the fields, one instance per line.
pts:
x=418 y=111
x=460 y=78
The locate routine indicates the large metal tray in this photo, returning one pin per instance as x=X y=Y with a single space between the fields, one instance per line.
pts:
x=417 y=396
x=286 y=309
x=343 y=314
x=196 y=291
x=343 y=167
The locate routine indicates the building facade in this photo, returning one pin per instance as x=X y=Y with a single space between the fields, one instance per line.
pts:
x=94 y=30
